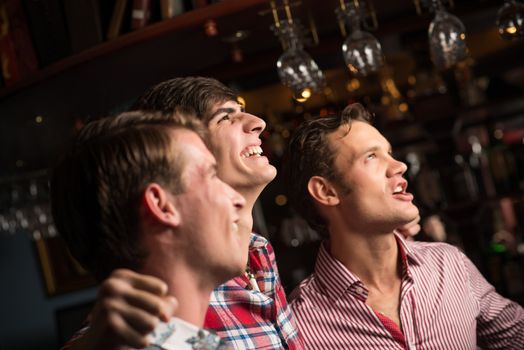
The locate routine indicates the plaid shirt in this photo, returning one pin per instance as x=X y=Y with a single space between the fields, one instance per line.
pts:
x=248 y=319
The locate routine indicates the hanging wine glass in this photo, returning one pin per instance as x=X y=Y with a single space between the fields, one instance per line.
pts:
x=447 y=38
x=361 y=50
x=510 y=20
x=296 y=69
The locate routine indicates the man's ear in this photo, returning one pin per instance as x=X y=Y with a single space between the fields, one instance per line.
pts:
x=159 y=205
x=322 y=191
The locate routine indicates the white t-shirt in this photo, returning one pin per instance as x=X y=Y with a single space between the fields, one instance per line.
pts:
x=181 y=335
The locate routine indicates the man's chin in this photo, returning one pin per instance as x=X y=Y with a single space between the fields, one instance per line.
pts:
x=266 y=176
x=265 y=172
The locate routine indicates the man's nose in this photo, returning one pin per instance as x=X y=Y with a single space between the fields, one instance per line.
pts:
x=238 y=200
x=397 y=167
x=253 y=124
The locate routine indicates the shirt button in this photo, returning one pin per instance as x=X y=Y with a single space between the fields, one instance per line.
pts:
x=359 y=290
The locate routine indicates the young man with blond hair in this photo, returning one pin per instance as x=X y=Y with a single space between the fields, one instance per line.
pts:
x=138 y=198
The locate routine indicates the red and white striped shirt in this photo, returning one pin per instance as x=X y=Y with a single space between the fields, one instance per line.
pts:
x=445 y=304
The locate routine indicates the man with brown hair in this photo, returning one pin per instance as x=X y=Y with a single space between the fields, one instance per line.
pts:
x=140 y=193
x=372 y=289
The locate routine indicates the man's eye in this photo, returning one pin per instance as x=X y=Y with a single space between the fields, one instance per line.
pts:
x=371 y=156
x=225 y=117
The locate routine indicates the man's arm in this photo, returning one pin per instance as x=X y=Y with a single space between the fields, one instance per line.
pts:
x=128 y=307
x=501 y=321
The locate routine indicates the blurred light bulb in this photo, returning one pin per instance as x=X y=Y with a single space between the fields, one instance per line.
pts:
x=510 y=20
x=306 y=93
x=241 y=101
x=302 y=96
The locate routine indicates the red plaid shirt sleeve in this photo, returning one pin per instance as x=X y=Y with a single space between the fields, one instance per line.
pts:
x=248 y=319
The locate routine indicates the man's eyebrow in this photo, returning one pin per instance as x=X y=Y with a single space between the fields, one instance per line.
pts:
x=223 y=110
x=376 y=148
x=369 y=149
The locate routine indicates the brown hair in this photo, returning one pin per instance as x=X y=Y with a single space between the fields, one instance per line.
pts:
x=96 y=188
x=195 y=94
x=310 y=154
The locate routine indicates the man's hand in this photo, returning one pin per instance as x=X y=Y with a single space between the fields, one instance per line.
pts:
x=128 y=307
x=410 y=229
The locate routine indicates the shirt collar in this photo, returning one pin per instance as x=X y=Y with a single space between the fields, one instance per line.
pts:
x=337 y=279
x=333 y=275
x=257 y=242
x=409 y=255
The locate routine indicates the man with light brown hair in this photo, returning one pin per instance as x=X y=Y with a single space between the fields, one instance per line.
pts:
x=138 y=197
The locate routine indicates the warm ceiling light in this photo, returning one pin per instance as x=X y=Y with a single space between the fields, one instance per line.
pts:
x=306 y=93
x=353 y=85
x=280 y=200
x=241 y=101
x=303 y=95
x=210 y=28
x=510 y=20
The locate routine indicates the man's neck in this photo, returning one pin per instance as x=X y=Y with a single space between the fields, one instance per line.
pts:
x=373 y=258
x=192 y=290
x=193 y=299
x=251 y=195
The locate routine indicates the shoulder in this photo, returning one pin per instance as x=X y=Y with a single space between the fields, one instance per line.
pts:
x=303 y=295
x=436 y=255
x=434 y=250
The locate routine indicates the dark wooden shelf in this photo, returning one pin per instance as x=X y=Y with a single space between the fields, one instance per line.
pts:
x=186 y=20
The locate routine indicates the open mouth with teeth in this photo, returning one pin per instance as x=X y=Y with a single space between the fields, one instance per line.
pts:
x=252 y=151
x=399 y=190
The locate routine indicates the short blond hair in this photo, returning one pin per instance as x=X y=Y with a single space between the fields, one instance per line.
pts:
x=96 y=188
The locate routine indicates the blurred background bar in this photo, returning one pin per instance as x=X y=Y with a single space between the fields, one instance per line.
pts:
x=445 y=80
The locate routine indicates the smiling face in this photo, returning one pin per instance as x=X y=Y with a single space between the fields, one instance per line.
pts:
x=377 y=200
x=209 y=210
x=234 y=139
